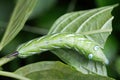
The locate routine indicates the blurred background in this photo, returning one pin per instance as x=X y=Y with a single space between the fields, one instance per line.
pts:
x=41 y=20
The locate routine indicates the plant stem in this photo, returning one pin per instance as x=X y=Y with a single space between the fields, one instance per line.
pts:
x=7 y=58
x=4 y=60
x=32 y=29
x=12 y=75
x=35 y=30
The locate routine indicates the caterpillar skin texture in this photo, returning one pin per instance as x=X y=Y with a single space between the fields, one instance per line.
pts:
x=89 y=48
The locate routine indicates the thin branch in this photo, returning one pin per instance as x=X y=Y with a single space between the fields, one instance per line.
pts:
x=32 y=29
x=8 y=58
x=13 y=75
x=35 y=30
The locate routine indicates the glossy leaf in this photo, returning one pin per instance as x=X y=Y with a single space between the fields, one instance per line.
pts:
x=95 y=25
x=22 y=11
x=55 y=71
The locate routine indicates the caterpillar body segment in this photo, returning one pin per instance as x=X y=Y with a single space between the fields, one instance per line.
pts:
x=63 y=40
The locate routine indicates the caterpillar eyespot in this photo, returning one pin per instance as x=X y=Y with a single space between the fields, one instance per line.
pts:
x=90 y=56
x=63 y=40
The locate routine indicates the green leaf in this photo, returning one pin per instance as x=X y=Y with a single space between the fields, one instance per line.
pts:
x=12 y=75
x=20 y=14
x=111 y=51
x=117 y=65
x=80 y=63
x=96 y=25
x=54 y=70
x=101 y=3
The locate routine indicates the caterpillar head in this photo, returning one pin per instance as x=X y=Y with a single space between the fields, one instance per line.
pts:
x=98 y=55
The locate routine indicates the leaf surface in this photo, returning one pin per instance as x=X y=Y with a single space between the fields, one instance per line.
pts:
x=94 y=24
x=54 y=70
x=22 y=11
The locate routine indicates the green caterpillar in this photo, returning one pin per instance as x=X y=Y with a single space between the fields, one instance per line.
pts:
x=77 y=42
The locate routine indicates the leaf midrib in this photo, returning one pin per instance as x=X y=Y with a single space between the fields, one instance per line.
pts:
x=91 y=18
x=96 y=31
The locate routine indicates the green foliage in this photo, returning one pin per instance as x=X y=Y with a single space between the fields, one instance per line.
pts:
x=94 y=24
x=17 y=21
x=110 y=51
x=49 y=70
x=94 y=27
x=117 y=64
x=105 y=2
